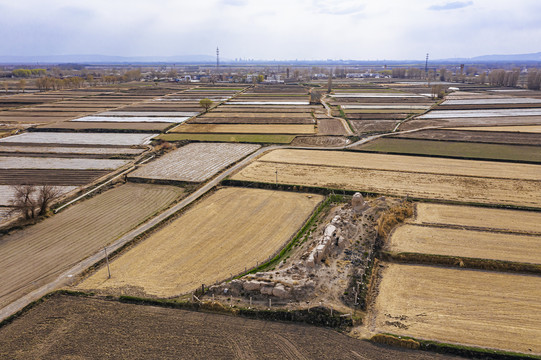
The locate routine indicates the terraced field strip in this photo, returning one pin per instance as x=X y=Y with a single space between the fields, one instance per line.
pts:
x=516 y=138
x=453 y=149
x=57 y=177
x=474 y=308
x=82 y=328
x=525 y=128
x=240 y=102
x=377 y=95
x=513 y=100
x=57 y=243
x=22 y=162
x=7 y=193
x=70 y=150
x=78 y=139
x=403 y=163
x=451 y=187
x=445 y=114
x=477 y=217
x=467 y=243
x=111 y=126
x=147 y=113
x=247 y=138
x=244 y=128
x=386 y=107
x=176 y=119
x=194 y=162
x=231 y=229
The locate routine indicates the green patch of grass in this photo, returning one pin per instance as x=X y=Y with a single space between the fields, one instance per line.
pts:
x=524 y=153
x=244 y=138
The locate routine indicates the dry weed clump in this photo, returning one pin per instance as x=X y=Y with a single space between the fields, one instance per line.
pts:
x=392 y=217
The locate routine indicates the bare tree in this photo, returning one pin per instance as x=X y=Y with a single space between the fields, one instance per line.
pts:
x=46 y=194
x=315 y=97
x=32 y=201
x=23 y=201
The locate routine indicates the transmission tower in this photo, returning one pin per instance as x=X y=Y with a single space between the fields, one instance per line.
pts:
x=426 y=65
x=217 y=59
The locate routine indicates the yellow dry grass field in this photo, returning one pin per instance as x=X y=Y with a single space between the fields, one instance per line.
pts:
x=500 y=219
x=399 y=183
x=245 y=129
x=36 y=255
x=518 y=128
x=231 y=229
x=466 y=243
x=474 y=308
x=404 y=163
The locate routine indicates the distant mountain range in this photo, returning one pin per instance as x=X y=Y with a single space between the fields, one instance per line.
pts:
x=496 y=58
x=208 y=59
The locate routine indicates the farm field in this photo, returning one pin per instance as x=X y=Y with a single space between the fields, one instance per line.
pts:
x=229 y=230
x=474 y=308
x=467 y=243
x=246 y=138
x=453 y=149
x=70 y=150
x=445 y=114
x=477 y=217
x=83 y=328
x=244 y=129
x=403 y=163
x=163 y=119
x=107 y=126
x=77 y=139
x=25 y=162
x=474 y=136
x=194 y=162
x=331 y=170
x=57 y=177
x=526 y=129
x=330 y=127
x=56 y=244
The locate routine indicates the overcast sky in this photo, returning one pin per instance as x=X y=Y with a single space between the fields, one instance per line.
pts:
x=272 y=29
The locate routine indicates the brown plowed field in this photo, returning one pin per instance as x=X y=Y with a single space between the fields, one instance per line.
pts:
x=478 y=217
x=320 y=141
x=474 y=308
x=50 y=177
x=365 y=126
x=475 y=136
x=466 y=243
x=232 y=229
x=83 y=328
x=59 y=242
x=330 y=127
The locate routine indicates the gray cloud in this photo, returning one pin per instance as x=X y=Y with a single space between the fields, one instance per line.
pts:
x=451 y=5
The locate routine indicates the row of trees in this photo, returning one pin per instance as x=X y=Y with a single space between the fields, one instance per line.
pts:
x=500 y=77
x=32 y=201
x=26 y=73
x=51 y=83
x=534 y=80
